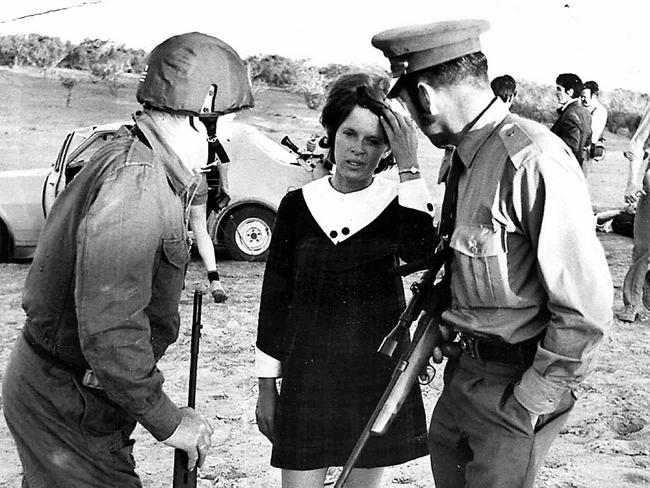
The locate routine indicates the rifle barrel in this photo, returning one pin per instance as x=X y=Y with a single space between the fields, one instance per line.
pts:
x=194 y=347
x=407 y=369
x=183 y=477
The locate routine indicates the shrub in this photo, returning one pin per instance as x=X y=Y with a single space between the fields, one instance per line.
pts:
x=273 y=70
x=107 y=60
x=312 y=85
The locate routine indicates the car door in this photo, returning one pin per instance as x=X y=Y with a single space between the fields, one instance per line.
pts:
x=76 y=151
x=55 y=181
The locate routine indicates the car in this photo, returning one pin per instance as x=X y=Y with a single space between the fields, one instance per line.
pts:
x=259 y=174
x=21 y=211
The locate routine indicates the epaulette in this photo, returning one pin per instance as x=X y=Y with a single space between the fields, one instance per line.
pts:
x=518 y=143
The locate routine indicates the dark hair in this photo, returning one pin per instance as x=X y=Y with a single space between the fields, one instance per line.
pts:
x=592 y=86
x=570 y=81
x=504 y=87
x=471 y=68
x=365 y=90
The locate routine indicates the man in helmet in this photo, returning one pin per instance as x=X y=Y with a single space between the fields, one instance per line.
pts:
x=102 y=294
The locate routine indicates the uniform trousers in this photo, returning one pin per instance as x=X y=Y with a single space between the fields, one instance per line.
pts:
x=67 y=435
x=636 y=274
x=480 y=435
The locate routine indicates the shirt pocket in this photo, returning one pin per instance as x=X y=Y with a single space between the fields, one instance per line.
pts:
x=480 y=271
x=168 y=283
x=175 y=252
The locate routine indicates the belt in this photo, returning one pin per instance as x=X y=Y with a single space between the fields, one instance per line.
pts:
x=87 y=375
x=487 y=349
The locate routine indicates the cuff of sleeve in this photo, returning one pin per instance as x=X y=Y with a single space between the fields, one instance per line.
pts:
x=415 y=194
x=537 y=394
x=636 y=149
x=267 y=366
x=161 y=419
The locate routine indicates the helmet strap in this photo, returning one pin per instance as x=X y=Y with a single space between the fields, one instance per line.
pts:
x=215 y=148
x=208 y=102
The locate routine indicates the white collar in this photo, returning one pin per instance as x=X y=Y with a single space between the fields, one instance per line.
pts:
x=341 y=215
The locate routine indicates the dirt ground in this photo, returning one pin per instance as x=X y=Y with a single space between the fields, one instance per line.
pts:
x=605 y=444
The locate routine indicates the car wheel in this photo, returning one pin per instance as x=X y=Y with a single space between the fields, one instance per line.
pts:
x=247 y=234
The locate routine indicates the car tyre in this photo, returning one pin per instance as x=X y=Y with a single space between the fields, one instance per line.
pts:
x=247 y=233
x=4 y=241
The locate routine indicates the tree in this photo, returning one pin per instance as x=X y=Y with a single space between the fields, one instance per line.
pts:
x=333 y=70
x=32 y=50
x=114 y=83
x=274 y=70
x=69 y=83
x=97 y=55
x=312 y=85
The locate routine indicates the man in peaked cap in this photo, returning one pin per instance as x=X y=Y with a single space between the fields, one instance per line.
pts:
x=102 y=294
x=531 y=291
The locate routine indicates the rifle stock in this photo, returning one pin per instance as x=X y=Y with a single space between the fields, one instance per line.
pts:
x=183 y=477
x=428 y=296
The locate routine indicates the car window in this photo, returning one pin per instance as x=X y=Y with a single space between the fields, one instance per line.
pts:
x=87 y=148
x=64 y=147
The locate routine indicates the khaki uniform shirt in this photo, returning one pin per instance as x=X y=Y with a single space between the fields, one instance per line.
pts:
x=526 y=256
x=105 y=283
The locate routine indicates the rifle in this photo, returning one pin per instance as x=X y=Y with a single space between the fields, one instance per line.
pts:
x=414 y=362
x=307 y=159
x=183 y=477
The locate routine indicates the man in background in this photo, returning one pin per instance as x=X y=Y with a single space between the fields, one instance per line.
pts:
x=531 y=293
x=573 y=124
x=589 y=98
x=204 y=243
x=103 y=290
x=504 y=87
x=636 y=291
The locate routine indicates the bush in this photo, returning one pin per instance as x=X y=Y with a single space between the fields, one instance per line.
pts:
x=106 y=61
x=312 y=85
x=32 y=50
x=333 y=70
x=535 y=101
x=274 y=70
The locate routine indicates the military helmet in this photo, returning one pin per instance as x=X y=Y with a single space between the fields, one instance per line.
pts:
x=195 y=74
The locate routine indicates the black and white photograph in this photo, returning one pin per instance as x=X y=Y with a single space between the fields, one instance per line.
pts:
x=302 y=244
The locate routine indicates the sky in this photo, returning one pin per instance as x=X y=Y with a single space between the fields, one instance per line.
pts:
x=602 y=40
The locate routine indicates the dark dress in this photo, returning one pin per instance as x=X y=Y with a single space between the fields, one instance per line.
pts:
x=324 y=310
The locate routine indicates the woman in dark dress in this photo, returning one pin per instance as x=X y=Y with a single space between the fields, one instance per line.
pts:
x=329 y=295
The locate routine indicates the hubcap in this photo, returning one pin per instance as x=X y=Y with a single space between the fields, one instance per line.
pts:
x=253 y=236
